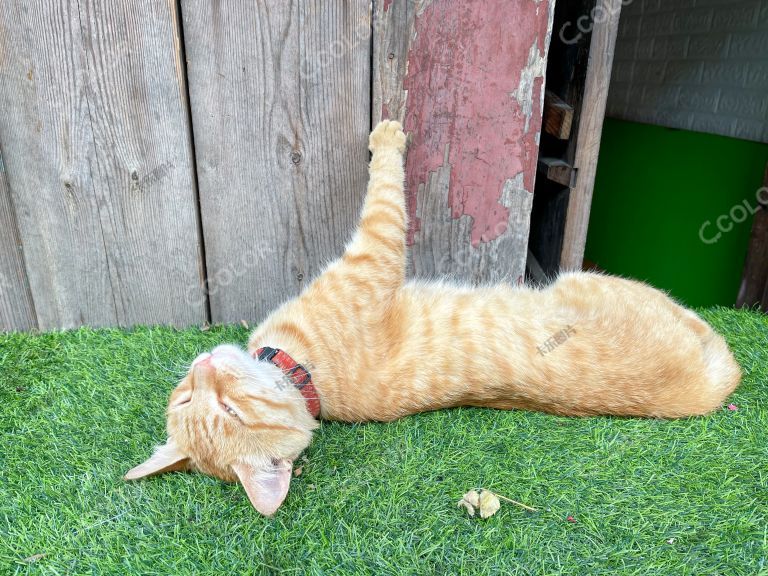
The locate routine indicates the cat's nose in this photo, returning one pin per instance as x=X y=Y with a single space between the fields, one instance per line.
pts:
x=204 y=365
x=205 y=356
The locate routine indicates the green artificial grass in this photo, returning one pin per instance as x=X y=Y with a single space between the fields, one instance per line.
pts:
x=77 y=409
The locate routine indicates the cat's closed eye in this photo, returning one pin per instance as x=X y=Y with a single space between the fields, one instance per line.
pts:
x=184 y=401
x=229 y=410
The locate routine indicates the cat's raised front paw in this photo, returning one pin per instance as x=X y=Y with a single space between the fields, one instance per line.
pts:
x=387 y=134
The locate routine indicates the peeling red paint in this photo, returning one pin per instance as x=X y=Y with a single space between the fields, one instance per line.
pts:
x=464 y=65
x=387 y=4
x=384 y=111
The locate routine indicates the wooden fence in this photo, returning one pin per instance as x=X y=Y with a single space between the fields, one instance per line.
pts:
x=177 y=163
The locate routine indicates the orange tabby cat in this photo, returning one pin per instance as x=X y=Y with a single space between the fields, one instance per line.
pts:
x=379 y=348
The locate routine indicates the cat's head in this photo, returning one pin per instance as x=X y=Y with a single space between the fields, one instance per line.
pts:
x=237 y=419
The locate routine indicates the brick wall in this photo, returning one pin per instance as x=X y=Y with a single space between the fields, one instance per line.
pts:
x=699 y=65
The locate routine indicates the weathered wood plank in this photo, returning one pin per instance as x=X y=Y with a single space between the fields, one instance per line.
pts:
x=589 y=132
x=97 y=149
x=242 y=64
x=280 y=102
x=470 y=93
x=754 y=282
x=566 y=76
x=547 y=221
x=558 y=116
x=556 y=170
x=335 y=105
x=16 y=307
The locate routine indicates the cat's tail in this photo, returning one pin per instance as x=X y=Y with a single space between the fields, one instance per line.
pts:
x=723 y=373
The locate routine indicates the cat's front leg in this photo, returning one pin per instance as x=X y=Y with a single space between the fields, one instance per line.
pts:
x=379 y=241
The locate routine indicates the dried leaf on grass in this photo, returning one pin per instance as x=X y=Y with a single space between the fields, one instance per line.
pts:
x=489 y=504
x=483 y=502
x=486 y=503
x=470 y=501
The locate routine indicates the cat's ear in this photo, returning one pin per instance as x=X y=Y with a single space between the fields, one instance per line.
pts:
x=167 y=458
x=266 y=486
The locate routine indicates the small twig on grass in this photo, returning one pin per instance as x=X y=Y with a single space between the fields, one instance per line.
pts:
x=34 y=558
x=516 y=503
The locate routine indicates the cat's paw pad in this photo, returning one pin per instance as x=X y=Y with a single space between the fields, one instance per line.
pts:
x=388 y=134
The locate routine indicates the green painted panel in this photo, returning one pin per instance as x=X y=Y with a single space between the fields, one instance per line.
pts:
x=656 y=189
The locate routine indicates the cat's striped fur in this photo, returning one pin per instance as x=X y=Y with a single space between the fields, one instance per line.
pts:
x=380 y=348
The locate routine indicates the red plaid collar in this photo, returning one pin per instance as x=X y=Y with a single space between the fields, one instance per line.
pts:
x=296 y=373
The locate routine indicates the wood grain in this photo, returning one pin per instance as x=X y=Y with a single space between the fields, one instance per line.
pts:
x=556 y=170
x=589 y=132
x=558 y=116
x=432 y=63
x=566 y=76
x=393 y=31
x=97 y=150
x=16 y=307
x=280 y=98
x=754 y=282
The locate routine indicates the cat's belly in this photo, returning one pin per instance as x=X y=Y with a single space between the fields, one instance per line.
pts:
x=588 y=344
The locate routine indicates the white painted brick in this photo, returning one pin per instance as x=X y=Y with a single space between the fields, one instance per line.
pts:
x=633 y=7
x=629 y=26
x=683 y=72
x=625 y=50
x=740 y=17
x=749 y=44
x=714 y=124
x=727 y=73
x=651 y=72
x=719 y=3
x=673 y=119
x=649 y=6
x=678 y=5
x=622 y=71
x=616 y=110
x=656 y=25
x=644 y=49
x=692 y=21
x=698 y=99
x=749 y=129
x=660 y=97
x=620 y=92
x=742 y=103
x=694 y=64
x=708 y=46
x=670 y=47
x=638 y=113
x=756 y=75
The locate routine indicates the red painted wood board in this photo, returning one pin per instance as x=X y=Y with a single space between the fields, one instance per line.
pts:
x=466 y=77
